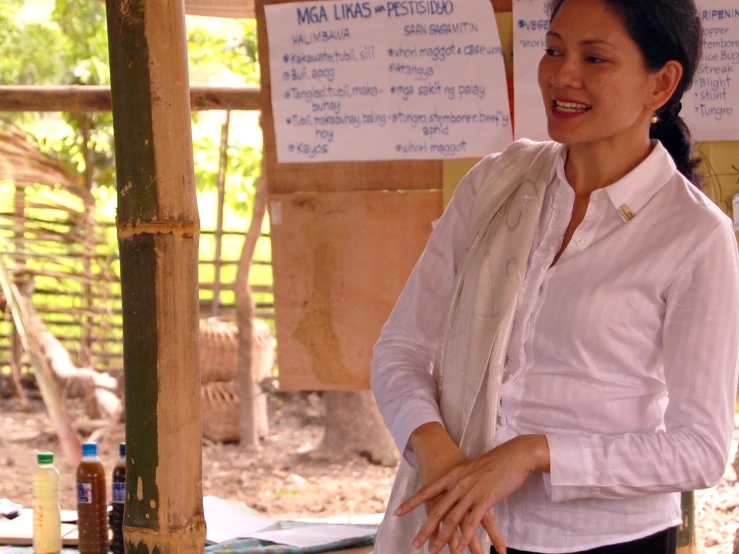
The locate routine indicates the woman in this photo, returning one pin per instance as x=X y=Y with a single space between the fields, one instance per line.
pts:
x=562 y=362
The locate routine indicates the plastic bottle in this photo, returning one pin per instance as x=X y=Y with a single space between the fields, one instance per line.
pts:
x=92 y=523
x=119 y=500
x=47 y=524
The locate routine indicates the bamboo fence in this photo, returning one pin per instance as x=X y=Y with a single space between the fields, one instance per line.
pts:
x=53 y=243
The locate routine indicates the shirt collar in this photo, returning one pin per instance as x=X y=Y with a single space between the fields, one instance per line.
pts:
x=631 y=193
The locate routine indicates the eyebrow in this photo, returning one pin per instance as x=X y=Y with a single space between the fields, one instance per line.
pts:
x=586 y=42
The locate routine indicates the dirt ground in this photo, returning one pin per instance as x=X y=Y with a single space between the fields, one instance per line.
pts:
x=285 y=480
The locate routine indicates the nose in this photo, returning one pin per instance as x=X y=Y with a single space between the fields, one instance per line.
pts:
x=566 y=73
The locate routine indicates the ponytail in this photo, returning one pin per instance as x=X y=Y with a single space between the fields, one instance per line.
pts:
x=671 y=130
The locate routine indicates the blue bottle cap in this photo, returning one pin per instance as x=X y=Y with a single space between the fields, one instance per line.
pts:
x=122 y=449
x=89 y=449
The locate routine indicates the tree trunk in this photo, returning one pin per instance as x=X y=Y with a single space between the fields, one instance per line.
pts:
x=354 y=426
x=158 y=231
x=249 y=391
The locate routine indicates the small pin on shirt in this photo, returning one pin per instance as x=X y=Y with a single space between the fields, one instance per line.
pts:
x=626 y=212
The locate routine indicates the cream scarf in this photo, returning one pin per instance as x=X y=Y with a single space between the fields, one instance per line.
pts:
x=470 y=362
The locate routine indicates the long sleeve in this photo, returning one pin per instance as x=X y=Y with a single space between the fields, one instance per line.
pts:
x=404 y=356
x=700 y=346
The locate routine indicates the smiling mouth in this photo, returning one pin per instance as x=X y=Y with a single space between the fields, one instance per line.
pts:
x=570 y=107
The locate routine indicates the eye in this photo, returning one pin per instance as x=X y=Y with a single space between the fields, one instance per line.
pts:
x=594 y=59
x=551 y=52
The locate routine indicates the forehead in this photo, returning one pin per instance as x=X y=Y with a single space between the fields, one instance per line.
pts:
x=589 y=20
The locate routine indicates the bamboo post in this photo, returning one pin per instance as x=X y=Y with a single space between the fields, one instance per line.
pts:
x=686 y=531
x=158 y=231
x=221 y=184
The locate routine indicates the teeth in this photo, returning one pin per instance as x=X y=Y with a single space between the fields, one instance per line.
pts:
x=571 y=107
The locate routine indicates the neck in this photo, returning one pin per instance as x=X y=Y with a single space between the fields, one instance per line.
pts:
x=592 y=166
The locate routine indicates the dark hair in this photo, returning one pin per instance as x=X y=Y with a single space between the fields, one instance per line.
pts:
x=665 y=30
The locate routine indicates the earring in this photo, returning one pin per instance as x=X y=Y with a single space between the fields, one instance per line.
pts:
x=655 y=119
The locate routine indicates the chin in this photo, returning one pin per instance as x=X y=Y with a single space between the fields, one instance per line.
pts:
x=557 y=134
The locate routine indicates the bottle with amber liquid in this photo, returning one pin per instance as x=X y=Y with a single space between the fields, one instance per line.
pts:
x=119 y=501
x=92 y=521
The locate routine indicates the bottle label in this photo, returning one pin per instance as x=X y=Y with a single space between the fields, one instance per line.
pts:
x=84 y=493
x=119 y=493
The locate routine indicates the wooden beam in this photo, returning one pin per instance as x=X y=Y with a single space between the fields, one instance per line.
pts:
x=87 y=99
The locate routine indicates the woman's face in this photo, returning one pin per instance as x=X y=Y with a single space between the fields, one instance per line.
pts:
x=593 y=77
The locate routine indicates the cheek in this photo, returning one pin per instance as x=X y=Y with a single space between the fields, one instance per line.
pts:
x=544 y=75
x=618 y=91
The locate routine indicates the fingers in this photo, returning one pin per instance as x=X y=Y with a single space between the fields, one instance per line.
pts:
x=422 y=496
x=445 y=513
x=475 y=547
x=454 y=542
x=469 y=526
x=429 y=507
x=450 y=523
x=493 y=531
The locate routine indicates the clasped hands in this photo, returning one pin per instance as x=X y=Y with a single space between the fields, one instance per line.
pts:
x=459 y=493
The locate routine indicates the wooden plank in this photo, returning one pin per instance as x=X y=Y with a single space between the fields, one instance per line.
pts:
x=341 y=260
x=338 y=176
x=87 y=99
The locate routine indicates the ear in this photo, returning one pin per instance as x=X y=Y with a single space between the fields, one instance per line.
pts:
x=665 y=81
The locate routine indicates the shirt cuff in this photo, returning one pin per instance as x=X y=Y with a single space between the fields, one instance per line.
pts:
x=409 y=418
x=571 y=468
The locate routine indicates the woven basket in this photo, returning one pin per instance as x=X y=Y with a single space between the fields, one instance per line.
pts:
x=219 y=402
x=219 y=350
x=219 y=393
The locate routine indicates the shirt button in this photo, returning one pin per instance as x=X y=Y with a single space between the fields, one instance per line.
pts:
x=580 y=242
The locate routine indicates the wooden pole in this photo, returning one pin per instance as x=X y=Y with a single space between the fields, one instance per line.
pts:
x=221 y=186
x=93 y=98
x=249 y=413
x=158 y=231
x=89 y=247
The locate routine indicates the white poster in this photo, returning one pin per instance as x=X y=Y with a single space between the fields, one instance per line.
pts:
x=530 y=24
x=387 y=80
x=711 y=107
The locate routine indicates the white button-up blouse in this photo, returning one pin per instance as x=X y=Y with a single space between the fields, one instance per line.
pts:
x=623 y=353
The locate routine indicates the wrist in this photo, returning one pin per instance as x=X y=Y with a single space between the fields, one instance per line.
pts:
x=428 y=435
x=431 y=440
x=538 y=452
